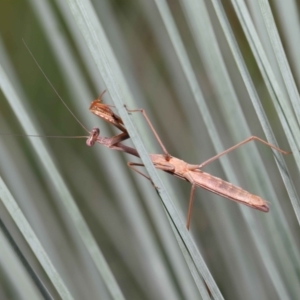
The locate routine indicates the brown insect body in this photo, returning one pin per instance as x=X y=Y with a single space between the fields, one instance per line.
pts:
x=227 y=190
x=216 y=185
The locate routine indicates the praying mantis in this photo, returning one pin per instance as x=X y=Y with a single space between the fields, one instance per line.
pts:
x=174 y=166
x=166 y=162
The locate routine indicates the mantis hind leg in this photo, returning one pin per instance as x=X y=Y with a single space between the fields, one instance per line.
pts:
x=249 y=139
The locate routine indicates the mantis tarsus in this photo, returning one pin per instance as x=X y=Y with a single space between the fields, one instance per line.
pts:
x=179 y=168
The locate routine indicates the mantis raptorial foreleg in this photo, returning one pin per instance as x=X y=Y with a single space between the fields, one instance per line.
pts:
x=104 y=112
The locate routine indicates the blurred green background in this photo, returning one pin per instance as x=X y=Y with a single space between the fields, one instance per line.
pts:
x=250 y=254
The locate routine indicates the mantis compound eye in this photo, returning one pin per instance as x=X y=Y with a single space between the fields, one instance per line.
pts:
x=93 y=137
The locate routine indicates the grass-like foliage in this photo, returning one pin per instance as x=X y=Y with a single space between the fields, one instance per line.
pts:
x=76 y=222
